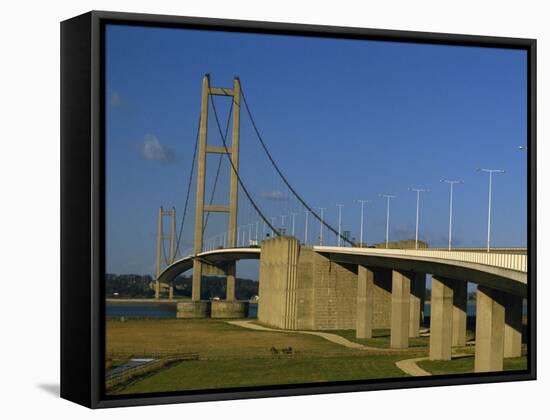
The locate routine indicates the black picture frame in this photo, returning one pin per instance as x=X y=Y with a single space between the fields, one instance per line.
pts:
x=83 y=210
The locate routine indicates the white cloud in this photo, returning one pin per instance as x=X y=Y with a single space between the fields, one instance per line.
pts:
x=152 y=149
x=274 y=195
x=115 y=99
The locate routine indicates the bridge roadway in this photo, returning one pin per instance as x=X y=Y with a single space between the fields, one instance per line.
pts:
x=501 y=269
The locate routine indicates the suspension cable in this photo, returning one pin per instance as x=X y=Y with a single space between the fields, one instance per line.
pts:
x=237 y=173
x=283 y=177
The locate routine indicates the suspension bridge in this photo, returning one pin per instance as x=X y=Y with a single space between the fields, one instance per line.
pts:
x=307 y=283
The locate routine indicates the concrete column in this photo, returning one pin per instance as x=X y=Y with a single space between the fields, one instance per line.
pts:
x=489 y=352
x=513 y=325
x=365 y=302
x=171 y=292
x=400 y=309
x=199 y=202
x=418 y=290
x=278 y=278
x=441 y=319
x=460 y=301
x=159 y=244
x=230 y=282
x=234 y=182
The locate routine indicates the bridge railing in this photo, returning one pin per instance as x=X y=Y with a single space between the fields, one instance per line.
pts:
x=510 y=261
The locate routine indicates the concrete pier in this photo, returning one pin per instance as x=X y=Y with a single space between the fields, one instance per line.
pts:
x=365 y=302
x=193 y=309
x=230 y=285
x=418 y=291
x=489 y=355
x=460 y=301
x=400 y=309
x=278 y=271
x=513 y=325
x=441 y=319
x=228 y=309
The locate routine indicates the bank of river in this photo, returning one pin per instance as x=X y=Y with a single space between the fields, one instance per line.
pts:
x=144 y=309
x=152 y=310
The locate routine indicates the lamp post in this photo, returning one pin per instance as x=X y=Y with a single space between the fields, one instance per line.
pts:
x=490 y=172
x=305 y=229
x=388 y=197
x=451 y=183
x=339 y=222
x=361 y=233
x=293 y=222
x=417 y=191
x=322 y=209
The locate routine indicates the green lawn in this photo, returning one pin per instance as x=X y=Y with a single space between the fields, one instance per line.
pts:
x=232 y=356
x=380 y=338
x=466 y=365
x=210 y=374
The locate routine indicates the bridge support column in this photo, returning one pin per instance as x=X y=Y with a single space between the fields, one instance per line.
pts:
x=460 y=301
x=196 y=283
x=171 y=292
x=400 y=309
x=441 y=319
x=157 y=289
x=513 y=326
x=489 y=351
x=278 y=283
x=418 y=290
x=365 y=302
x=230 y=282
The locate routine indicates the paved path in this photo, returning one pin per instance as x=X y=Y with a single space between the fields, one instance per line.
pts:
x=409 y=366
x=334 y=338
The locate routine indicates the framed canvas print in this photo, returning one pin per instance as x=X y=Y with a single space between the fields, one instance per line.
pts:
x=255 y=209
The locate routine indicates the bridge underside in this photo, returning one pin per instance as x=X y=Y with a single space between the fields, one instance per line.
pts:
x=217 y=259
x=507 y=281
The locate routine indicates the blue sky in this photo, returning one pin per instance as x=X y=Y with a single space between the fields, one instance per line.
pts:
x=345 y=120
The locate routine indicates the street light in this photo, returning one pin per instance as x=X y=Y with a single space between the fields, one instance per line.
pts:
x=272 y=224
x=339 y=222
x=490 y=172
x=388 y=197
x=322 y=209
x=305 y=229
x=451 y=183
x=361 y=233
x=417 y=191
x=293 y=222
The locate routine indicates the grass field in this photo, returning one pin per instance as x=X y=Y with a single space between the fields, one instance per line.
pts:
x=466 y=365
x=210 y=338
x=254 y=372
x=232 y=356
x=381 y=338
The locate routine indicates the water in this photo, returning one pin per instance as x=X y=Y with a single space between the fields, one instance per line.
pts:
x=253 y=310
x=140 y=310
x=168 y=310
x=154 y=310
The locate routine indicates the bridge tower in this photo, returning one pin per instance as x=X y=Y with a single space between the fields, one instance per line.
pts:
x=233 y=151
x=161 y=237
